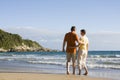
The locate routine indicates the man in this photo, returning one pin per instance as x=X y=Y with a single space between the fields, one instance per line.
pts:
x=83 y=52
x=70 y=39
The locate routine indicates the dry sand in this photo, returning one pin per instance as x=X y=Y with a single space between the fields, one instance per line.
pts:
x=35 y=76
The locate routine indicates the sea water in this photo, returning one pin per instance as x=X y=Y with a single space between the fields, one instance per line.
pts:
x=100 y=63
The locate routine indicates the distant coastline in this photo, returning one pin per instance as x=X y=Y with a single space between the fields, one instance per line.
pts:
x=14 y=43
x=28 y=49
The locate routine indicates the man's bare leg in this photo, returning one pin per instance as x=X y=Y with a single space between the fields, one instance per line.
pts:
x=67 y=67
x=74 y=65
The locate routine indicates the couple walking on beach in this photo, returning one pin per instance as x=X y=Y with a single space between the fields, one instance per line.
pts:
x=70 y=40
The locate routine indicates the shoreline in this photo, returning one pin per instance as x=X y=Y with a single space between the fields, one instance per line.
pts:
x=43 y=76
x=20 y=67
x=75 y=77
x=97 y=74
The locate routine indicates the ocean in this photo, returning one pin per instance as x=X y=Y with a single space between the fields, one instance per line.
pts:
x=100 y=63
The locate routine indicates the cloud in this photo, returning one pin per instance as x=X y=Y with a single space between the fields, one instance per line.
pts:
x=53 y=39
x=47 y=38
x=43 y=40
x=104 y=41
x=29 y=29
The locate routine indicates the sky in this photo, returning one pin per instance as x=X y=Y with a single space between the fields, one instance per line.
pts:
x=47 y=21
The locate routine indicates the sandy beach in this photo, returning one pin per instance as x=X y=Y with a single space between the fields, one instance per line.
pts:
x=35 y=76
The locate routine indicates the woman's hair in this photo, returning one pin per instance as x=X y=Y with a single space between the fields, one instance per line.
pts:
x=83 y=31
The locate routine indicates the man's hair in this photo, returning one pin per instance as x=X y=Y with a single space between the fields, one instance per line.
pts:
x=83 y=31
x=73 y=28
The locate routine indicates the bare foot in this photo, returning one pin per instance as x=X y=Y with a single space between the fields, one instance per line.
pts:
x=68 y=73
x=85 y=74
x=73 y=70
x=73 y=73
x=79 y=72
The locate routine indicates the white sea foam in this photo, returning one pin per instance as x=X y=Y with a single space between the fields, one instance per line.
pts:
x=99 y=61
x=47 y=62
x=117 y=56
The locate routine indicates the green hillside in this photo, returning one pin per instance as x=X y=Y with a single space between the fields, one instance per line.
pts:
x=12 y=41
